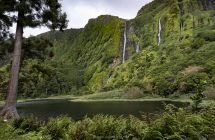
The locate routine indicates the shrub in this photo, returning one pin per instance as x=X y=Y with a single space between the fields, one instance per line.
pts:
x=197 y=43
x=133 y=93
x=104 y=126
x=207 y=35
x=107 y=127
x=27 y=124
x=210 y=93
x=132 y=128
x=192 y=70
x=193 y=83
x=179 y=123
x=197 y=99
x=57 y=128
x=80 y=130
x=173 y=123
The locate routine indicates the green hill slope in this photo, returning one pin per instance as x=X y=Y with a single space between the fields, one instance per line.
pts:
x=88 y=58
x=184 y=59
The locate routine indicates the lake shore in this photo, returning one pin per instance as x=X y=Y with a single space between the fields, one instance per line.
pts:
x=114 y=96
x=83 y=99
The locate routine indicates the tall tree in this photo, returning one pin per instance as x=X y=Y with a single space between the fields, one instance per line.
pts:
x=30 y=13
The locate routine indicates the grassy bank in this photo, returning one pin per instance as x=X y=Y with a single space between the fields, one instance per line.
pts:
x=59 y=97
x=116 y=95
x=120 y=95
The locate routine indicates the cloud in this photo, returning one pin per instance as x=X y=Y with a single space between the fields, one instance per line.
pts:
x=80 y=11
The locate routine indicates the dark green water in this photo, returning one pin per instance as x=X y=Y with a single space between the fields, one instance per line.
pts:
x=77 y=110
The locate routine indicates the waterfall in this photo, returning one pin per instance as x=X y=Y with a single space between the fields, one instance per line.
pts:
x=124 y=46
x=159 y=32
x=138 y=47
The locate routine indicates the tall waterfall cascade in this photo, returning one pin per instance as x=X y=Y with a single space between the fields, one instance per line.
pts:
x=124 y=45
x=159 y=32
x=138 y=47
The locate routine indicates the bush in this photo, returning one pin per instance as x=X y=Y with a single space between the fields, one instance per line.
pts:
x=197 y=43
x=57 y=128
x=193 y=83
x=207 y=35
x=133 y=93
x=173 y=123
x=27 y=124
x=107 y=127
x=197 y=99
x=181 y=124
x=210 y=93
x=132 y=128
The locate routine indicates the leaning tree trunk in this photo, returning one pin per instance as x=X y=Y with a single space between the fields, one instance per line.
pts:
x=9 y=110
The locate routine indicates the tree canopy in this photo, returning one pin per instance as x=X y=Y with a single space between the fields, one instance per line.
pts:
x=33 y=14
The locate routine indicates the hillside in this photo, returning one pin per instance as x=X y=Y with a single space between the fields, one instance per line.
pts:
x=168 y=49
x=95 y=50
x=182 y=61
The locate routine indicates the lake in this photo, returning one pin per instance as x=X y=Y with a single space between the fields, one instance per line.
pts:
x=44 y=109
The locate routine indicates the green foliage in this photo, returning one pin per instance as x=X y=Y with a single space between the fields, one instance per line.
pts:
x=181 y=124
x=197 y=43
x=133 y=93
x=89 y=52
x=33 y=13
x=38 y=77
x=194 y=83
x=173 y=123
x=210 y=93
x=208 y=35
x=5 y=21
x=4 y=78
x=5 y=131
x=26 y=124
x=168 y=70
x=197 y=99
x=36 y=48
x=57 y=128
x=182 y=56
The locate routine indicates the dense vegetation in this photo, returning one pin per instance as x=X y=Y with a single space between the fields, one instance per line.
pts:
x=183 y=62
x=184 y=59
x=83 y=61
x=173 y=124
x=38 y=77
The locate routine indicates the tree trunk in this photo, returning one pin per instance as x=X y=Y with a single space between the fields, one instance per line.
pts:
x=9 y=110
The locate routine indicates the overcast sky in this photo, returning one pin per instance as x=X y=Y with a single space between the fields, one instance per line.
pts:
x=80 y=11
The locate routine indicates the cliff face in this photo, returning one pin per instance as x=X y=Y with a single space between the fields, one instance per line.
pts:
x=88 y=58
x=178 y=19
x=169 y=36
x=175 y=37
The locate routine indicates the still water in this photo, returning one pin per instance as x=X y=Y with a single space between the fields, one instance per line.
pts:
x=45 y=109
